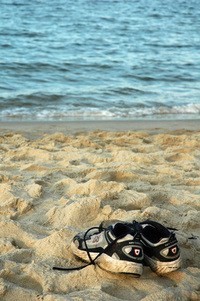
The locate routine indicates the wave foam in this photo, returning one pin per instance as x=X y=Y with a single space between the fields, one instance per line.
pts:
x=63 y=113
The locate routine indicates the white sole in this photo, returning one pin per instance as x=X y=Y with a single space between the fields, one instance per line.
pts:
x=163 y=267
x=110 y=264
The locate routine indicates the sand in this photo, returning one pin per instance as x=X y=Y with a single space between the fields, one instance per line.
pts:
x=57 y=179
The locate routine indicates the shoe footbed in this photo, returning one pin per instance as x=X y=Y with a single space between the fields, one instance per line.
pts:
x=120 y=230
x=153 y=235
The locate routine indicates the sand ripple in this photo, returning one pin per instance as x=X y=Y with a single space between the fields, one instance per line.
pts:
x=57 y=185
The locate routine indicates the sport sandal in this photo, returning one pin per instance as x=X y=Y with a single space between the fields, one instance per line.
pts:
x=161 y=251
x=116 y=248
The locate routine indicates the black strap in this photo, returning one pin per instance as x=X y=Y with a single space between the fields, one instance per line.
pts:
x=72 y=268
x=92 y=261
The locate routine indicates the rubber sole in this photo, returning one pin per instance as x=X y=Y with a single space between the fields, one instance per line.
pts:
x=163 y=267
x=110 y=264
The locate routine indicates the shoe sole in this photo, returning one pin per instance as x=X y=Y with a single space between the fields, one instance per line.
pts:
x=160 y=267
x=110 y=264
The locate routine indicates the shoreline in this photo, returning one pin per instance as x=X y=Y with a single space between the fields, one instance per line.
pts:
x=71 y=127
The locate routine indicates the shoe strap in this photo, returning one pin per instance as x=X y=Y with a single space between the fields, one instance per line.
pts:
x=72 y=268
x=92 y=261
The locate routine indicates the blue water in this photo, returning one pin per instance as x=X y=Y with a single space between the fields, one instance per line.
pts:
x=99 y=59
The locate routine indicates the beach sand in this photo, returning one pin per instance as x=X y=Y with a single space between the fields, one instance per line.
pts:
x=57 y=179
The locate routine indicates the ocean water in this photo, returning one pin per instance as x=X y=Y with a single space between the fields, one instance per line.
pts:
x=99 y=59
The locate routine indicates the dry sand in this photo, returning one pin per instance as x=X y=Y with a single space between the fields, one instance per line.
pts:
x=57 y=179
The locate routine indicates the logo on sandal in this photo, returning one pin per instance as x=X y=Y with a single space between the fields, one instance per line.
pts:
x=95 y=239
x=137 y=252
x=174 y=250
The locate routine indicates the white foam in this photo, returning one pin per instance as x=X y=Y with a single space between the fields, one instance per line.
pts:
x=63 y=113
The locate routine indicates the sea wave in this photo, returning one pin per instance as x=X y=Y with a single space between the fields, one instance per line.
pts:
x=65 y=113
x=99 y=59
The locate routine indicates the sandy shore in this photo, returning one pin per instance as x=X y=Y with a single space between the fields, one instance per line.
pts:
x=57 y=179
